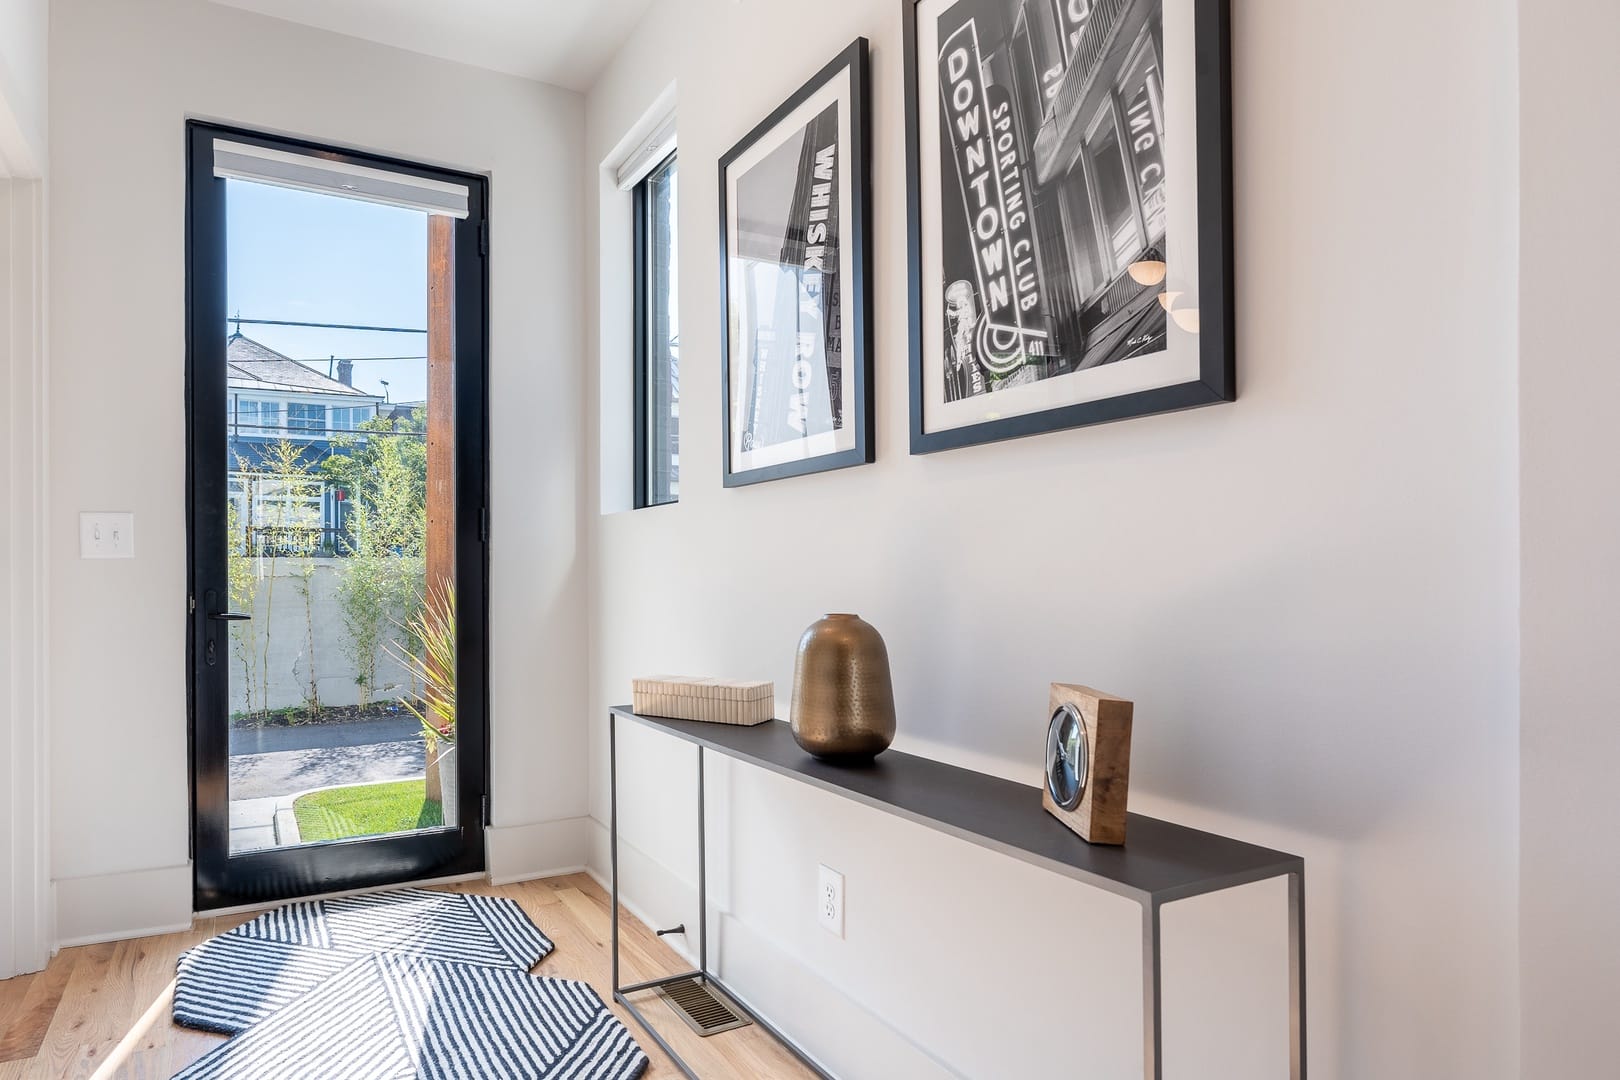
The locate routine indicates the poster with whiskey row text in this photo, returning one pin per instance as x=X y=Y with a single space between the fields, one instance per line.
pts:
x=793 y=207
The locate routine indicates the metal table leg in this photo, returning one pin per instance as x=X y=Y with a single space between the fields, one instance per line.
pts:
x=1152 y=994
x=1153 y=983
x=1296 y=973
x=703 y=875
x=621 y=994
x=613 y=838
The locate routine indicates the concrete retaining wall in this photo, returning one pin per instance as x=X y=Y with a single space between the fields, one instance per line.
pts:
x=279 y=611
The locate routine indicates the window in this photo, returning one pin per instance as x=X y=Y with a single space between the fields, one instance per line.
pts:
x=302 y=416
x=350 y=419
x=280 y=514
x=657 y=382
x=257 y=417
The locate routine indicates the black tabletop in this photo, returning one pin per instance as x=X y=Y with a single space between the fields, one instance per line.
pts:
x=1159 y=859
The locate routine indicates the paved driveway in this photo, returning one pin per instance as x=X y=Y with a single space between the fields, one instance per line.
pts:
x=283 y=760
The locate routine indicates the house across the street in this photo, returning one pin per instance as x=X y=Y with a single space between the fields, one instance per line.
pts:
x=273 y=398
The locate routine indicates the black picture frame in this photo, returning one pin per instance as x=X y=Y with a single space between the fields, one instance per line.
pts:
x=1216 y=379
x=855 y=236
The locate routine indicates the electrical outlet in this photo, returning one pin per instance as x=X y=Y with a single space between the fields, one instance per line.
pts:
x=106 y=536
x=830 y=901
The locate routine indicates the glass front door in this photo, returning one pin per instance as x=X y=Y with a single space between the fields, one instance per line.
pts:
x=336 y=373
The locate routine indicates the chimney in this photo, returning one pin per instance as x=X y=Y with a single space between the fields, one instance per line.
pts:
x=346 y=372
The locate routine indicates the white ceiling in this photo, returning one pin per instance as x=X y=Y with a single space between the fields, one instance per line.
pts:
x=565 y=42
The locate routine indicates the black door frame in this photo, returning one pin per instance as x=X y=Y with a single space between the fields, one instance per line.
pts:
x=221 y=880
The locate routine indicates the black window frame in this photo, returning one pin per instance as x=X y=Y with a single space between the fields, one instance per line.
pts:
x=641 y=197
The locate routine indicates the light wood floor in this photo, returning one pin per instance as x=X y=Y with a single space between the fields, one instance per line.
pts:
x=102 y=1011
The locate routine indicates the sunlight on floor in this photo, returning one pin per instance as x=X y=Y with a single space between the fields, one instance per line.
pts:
x=156 y=1013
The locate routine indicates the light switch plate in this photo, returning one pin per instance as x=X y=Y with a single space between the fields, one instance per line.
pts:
x=106 y=536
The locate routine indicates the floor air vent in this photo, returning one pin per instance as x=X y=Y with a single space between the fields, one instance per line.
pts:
x=705 y=1010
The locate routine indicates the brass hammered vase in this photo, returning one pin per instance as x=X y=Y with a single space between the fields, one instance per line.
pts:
x=843 y=698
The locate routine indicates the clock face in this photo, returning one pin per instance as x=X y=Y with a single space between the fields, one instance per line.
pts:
x=1066 y=759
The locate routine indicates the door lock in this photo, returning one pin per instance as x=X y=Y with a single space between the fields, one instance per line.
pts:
x=210 y=649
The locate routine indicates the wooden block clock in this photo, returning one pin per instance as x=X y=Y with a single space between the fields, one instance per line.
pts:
x=1088 y=762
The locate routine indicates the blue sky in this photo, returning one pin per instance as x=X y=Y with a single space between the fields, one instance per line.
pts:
x=319 y=258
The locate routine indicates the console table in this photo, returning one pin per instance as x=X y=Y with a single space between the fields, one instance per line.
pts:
x=1160 y=862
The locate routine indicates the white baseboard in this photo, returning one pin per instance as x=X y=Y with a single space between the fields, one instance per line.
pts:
x=122 y=935
x=854 y=1038
x=776 y=985
x=112 y=907
x=648 y=889
x=540 y=875
x=678 y=942
x=141 y=903
x=540 y=850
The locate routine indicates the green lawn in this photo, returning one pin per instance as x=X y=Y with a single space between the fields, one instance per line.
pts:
x=371 y=810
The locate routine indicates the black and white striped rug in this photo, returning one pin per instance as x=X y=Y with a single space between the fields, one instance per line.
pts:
x=390 y=1016
x=246 y=974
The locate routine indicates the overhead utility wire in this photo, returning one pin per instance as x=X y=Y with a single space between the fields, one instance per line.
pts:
x=325 y=326
x=323 y=360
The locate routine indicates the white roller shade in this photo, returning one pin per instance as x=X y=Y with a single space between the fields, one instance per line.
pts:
x=308 y=172
x=647 y=154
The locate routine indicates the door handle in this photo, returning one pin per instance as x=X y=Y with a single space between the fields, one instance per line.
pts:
x=210 y=646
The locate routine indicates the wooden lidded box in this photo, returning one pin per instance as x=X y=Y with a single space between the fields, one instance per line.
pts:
x=716 y=701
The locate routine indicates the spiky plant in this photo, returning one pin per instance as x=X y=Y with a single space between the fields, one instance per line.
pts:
x=434 y=627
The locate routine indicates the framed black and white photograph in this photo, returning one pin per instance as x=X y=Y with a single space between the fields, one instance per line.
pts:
x=1069 y=167
x=794 y=244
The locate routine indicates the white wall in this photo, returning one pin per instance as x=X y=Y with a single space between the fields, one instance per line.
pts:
x=23 y=32
x=1311 y=594
x=124 y=78
x=1569 y=381
x=24 y=884
x=25 y=932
